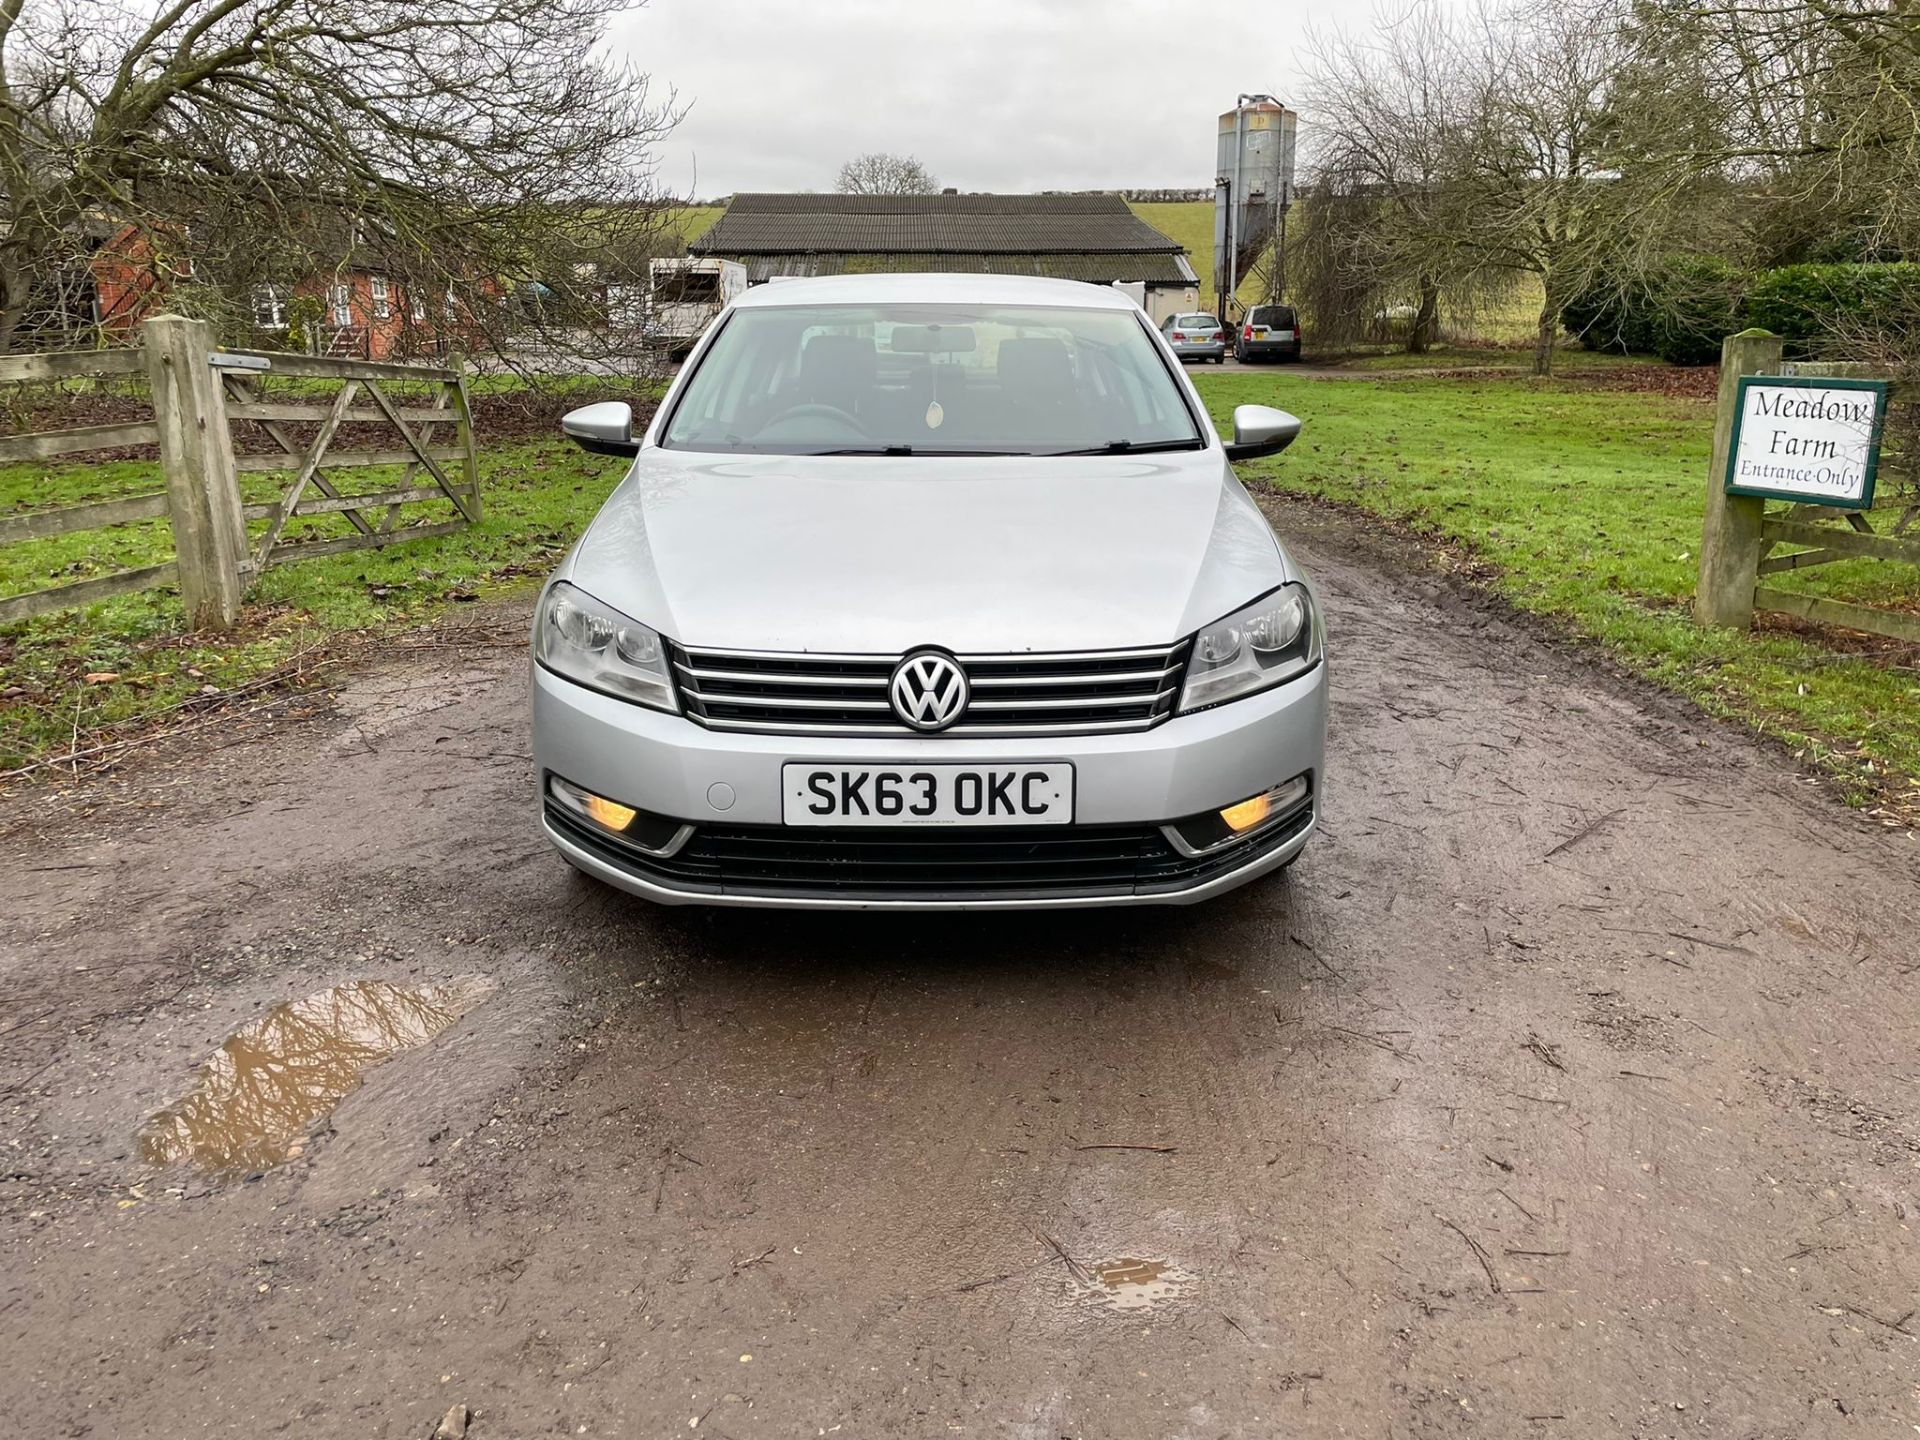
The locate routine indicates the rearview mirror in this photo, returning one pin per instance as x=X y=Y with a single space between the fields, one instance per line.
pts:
x=931 y=340
x=603 y=429
x=1261 y=430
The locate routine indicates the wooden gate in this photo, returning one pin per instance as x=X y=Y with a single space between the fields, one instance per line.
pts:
x=412 y=419
x=1747 y=539
x=433 y=468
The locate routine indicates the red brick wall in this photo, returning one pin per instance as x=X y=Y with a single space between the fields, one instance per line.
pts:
x=131 y=282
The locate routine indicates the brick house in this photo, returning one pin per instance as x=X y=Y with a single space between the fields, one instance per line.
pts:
x=355 y=311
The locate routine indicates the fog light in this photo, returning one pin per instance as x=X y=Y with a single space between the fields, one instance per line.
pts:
x=607 y=814
x=615 y=816
x=1248 y=813
x=1217 y=829
x=636 y=829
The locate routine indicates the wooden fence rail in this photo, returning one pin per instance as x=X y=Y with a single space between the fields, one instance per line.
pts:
x=1742 y=538
x=198 y=394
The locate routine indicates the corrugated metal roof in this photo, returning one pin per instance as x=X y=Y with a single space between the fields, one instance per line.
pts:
x=1097 y=269
x=762 y=224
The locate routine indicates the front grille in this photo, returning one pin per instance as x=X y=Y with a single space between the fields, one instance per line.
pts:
x=781 y=861
x=1064 y=693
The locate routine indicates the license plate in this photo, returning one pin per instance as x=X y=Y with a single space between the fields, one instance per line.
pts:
x=909 y=794
x=1259 y=332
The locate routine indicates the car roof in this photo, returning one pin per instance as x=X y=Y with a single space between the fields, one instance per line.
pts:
x=936 y=289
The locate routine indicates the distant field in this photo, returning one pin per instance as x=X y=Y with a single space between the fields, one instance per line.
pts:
x=1191 y=223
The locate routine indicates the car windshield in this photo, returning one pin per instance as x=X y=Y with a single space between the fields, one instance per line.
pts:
x=931 y=380
x=1196 y=322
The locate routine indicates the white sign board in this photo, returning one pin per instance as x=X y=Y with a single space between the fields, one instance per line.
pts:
x=1812 y=439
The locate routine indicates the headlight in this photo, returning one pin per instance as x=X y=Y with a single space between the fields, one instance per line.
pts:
x=1271 y=641
x=595 y=645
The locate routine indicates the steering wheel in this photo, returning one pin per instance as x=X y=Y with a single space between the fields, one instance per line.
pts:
x=811 y=411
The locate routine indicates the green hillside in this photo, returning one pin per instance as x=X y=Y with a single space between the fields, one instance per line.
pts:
x=694 y=221
x=1191 y=223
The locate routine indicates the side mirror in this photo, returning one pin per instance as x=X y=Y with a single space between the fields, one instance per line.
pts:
x=1259 y=430
x=603 y=429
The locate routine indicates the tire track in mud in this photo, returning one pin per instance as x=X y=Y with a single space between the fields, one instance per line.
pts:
x=1566 y=1075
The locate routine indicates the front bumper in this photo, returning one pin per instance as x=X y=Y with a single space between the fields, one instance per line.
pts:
x=728 y=787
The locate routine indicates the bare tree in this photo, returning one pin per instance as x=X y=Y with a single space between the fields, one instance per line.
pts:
x=1811 y=108
x=1540 y=188
x=1392 y=111
x=878 y=173
x=489 y=158
x=1468 y=150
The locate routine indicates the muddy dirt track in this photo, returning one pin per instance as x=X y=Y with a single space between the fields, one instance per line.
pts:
x=1567 y=1087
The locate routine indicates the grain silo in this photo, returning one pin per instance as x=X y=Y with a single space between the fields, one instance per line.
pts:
x=1252 y=189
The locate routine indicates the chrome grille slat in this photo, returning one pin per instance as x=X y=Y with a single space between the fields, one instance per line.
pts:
x=1142 y=677
x=1084 y=702
x=762 y=677
x=1078 y=692
x=969 y=732
x=797 y=702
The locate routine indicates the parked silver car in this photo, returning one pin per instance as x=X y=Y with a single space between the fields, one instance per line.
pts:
x=1196 y=337
x=929 y=591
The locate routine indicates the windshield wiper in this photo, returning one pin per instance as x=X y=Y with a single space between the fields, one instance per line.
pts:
x=910 y=450
x=1133 y=447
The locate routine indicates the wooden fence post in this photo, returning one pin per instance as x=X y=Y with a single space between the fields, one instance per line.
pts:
x=196 y=452
x=1730 y=542
x=463 y=435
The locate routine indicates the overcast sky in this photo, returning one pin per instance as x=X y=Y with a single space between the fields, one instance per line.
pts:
x=1009 y=95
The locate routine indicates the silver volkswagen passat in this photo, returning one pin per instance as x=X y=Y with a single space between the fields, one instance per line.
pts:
x=929 y=591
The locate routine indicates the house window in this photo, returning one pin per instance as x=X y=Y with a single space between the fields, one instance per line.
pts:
x=340 y=299
x=416 y=306
x=269 y=307
x=382 y=299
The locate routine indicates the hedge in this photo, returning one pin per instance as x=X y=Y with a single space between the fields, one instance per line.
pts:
x=1682 y=309
x=1808 y=304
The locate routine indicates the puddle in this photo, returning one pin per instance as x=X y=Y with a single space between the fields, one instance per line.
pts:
x=1132 y=1284
x=273 y=1078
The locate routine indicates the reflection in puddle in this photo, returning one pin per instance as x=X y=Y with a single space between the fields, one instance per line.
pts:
x=275 y=1077
x=1130 y=1284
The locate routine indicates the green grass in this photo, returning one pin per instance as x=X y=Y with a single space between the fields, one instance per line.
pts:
x=1587 y=507
x=1584 y=504
x=538 y=496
